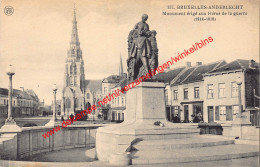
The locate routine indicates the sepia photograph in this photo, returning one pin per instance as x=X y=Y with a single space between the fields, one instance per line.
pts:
x=142 y=83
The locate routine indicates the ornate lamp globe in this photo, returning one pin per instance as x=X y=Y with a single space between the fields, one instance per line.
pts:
x=239 y=81
x=54 y=87
x=10 y=70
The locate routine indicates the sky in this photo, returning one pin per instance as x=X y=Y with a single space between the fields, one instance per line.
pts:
x=35 y=38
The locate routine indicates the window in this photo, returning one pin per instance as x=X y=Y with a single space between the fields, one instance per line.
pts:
x=234 y=89
x=235 y=111
x=71 y=69
x=122 y=101
x=71 y=81
x=68 y=103
x=222 y=112
x=175 y=94
x=221 y=90
x=14 y=103
x=166 y=95
x=105 y=90
x=76 y=103
x=210 y=91
x=185 y=93
x=175 y=111
x=118 y=101
x=75 y=81
x=88 y=96
x=4 y=101
x=75 y=69
x=196 y=92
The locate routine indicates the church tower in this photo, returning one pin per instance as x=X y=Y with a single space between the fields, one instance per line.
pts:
x=74 y=67
x=73 y=95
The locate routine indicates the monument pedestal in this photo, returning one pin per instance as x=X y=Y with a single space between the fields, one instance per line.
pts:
x=238 y=124
x=145 y=105
x=10 y=126
x=52 y=122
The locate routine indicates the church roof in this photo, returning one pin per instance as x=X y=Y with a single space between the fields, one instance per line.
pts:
x=93 y=85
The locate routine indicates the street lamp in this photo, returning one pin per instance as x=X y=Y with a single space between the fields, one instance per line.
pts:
x=10 y=124
x=10 y=72
x=240 y=121
x=54 y=88
x=239 y=83
x=52 y=121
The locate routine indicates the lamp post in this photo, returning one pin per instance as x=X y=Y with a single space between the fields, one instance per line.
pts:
x=10 y=72
x=239 y=83
x=54 y=88
x=53 y=119
x=240 y=121
x=10 y=124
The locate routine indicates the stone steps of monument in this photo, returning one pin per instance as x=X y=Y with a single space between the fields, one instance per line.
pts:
x=170 y=144
x=219 y=152
x=173 y=133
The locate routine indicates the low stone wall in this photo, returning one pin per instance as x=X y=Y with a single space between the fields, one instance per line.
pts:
x=30 y=141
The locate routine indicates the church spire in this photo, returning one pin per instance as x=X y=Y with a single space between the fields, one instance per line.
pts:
x=74 y=34
x=121 y=72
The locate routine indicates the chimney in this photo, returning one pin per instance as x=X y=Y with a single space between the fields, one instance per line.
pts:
x=198 y=63
x=188 y=64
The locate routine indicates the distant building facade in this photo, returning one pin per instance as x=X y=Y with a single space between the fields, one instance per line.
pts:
x=210 y=91
x=118 y=104
x=110 y=84
x=187 y=90
x=24 y=103
x=221 y=91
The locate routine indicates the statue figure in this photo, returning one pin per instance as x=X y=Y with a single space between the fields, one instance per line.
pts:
x=142 y=50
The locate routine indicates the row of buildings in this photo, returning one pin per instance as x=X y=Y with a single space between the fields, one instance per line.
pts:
x=24 y=102
x=209 y=91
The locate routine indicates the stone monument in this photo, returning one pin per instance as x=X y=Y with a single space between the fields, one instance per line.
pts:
x=145 y=115
x=142 y=50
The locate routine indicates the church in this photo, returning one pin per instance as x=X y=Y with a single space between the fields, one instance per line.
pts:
x=78 y=93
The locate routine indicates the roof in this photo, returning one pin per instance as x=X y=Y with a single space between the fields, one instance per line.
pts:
x=169 y=75
x=93 y=85
x=113 y=79
x=122 y=83
x=32 y=94
x=184 y=75
x=237 y=65
x=16 y=93
x=195 y=74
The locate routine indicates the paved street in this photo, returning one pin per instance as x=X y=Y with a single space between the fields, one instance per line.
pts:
x=76 y=157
